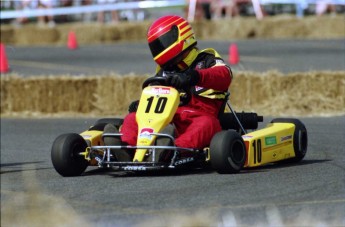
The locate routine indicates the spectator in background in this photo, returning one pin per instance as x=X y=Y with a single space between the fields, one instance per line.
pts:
x=228 y=6
x=202 y=9
x=24 y=5
x=231 y=8
x=114 y=13
x=64 y=18
x=87 y=17
x=324 y=6
x=46 y=4
x=133 y=14
x=206 y=8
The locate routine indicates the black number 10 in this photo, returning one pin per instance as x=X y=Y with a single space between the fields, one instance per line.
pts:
x=257 y=151
x=162 y=101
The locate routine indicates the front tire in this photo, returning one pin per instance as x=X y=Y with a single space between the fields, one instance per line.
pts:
x=228 y=152
x=65 y=155
x=300 y=138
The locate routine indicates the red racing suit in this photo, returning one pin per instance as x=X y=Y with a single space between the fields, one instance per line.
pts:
x=197 y=122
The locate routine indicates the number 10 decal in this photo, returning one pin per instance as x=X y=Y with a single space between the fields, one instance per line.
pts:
x=257 y=151
x=160 y=106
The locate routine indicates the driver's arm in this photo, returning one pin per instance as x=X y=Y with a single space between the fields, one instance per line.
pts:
x=216 y=74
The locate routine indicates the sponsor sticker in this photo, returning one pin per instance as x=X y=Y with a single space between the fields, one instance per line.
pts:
x=145 y=133
x=184 y=161
x=197 y=88
x=160 y=90
x=284 y=138
x=134 y=168
x=270 y=140
x=247 y=137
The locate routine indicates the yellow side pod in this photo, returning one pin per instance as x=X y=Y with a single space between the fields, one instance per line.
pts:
x=270 y=144
x=93 y=136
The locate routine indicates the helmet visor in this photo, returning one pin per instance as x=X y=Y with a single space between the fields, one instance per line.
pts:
x=160 y=44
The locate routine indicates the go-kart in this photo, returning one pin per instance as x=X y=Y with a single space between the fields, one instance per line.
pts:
x=239 y=145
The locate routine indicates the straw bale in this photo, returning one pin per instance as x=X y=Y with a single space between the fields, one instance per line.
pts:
x=283 y=26
x=223 y=29
x=47 y=95
x=111 y=34
x=306 y=94
x=115 y=93
x=33 y=35
x=325 y=27
x=133 y=31
x=7 y=35
x=85 y=33
x=269 y=93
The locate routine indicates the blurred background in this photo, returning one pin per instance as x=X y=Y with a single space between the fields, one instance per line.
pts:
x=114 y=11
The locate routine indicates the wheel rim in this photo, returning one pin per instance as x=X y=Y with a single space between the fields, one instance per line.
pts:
x=76 y=150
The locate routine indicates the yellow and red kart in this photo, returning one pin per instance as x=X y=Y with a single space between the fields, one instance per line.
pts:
x=230 y=150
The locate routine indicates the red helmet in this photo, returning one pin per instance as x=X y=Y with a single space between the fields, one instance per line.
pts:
x=169 y=37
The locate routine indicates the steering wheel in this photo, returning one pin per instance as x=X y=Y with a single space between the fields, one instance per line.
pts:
x=184 y=99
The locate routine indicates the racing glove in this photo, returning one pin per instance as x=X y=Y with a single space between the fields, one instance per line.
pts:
x=183 y=80
x=133 y=106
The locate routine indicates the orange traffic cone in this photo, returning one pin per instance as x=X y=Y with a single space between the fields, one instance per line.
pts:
x=3 y=59
x=72 y=43
x=234 y=57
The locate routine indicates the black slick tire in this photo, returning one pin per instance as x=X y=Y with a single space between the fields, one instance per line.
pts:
x=300 y=138
x=65 y=155
x=228 y=152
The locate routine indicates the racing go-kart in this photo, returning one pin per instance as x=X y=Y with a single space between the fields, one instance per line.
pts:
x=230 y=150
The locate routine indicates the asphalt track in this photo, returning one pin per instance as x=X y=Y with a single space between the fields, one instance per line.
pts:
x=124 y=58
x=310 y=193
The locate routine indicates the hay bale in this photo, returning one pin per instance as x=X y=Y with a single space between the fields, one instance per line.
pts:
x=33 y=35
x=282 y=26
x=115 y=93
x=269 y=93
x=111 y=34
x=224 y=29
x=86 y=33
x=325 y=27
x=7 y=35
x=301 y=94
x=47 y=95
x=133 y=31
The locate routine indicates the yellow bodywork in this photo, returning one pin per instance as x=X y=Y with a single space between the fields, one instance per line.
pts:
x=93 y=136
x=152 y=116
x=270 y=144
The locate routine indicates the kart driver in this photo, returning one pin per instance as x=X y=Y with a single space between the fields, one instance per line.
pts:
x=174 y=48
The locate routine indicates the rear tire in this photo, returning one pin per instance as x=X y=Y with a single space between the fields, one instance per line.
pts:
x=101 y=123
x=65 y=155
x=228 y=152
x=115 y=121
x=300 y=138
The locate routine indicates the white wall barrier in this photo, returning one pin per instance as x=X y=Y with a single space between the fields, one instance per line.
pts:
x=90 y=8
x=300 y=6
